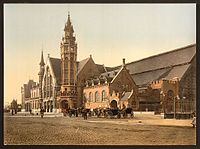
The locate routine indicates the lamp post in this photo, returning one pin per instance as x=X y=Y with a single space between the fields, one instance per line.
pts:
x=163 y=103
x=174 y=107
x=183 y=102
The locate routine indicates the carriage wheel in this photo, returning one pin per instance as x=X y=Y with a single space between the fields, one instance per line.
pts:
x=110 y=114
x=132 y=115
x=119 y=115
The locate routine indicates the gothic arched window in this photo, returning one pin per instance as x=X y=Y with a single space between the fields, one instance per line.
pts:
x=96 y=96
x=90 y=97
x=170 y=95
x=103 y=95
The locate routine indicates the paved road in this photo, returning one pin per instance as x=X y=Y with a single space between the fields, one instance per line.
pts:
x=101 y=131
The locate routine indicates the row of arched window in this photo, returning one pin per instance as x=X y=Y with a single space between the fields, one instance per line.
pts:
x=97 y=97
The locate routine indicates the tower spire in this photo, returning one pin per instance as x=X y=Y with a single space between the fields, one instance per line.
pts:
x=68 y=14
x=68 y=19
x=42 y=59
x=68 y=27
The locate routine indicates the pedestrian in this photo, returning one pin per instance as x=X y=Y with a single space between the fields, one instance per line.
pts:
x=42 y=112
x=194 y=120
x=64 y=112
x=76 y=112
x=30 y=111
x=85 y=114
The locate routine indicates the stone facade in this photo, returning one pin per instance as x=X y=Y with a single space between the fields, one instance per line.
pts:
x=96 y=96
x=89 y=70
x=50 y=86
x=26 y=92
x=108 y=91
x=34 y=100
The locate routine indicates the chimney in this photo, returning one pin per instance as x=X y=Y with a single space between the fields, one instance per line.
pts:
x=123 y=62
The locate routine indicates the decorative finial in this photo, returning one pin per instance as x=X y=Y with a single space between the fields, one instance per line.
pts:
x=68 y=14
x=123 y=62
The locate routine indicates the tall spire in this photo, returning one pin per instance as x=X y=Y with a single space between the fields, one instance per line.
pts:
x=68 y=27
x=42 y=59
x=68 y=15
x=68 y=19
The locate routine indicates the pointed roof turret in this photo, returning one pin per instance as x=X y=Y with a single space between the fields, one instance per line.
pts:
x=42 y=60
x=68 y=19
x=68 y=26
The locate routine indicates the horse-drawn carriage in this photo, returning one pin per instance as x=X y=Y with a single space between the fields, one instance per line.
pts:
x=110 y=113
x=73 y=112
x=127 y=111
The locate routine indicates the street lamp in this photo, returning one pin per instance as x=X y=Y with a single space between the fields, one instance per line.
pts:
x=183 y=102
x=174 y=107
x=177 y=97
x=163 y=102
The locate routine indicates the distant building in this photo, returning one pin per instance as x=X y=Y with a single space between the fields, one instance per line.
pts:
x=29 y=94
x=157 y=83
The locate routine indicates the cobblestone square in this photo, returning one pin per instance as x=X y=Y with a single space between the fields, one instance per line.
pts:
x=141 y=130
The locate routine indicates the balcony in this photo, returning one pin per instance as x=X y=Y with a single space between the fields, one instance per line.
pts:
x=67 y=93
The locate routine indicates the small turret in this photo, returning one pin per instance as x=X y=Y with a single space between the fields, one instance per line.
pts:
x=123 y=62
x=42 y=60
x=41 y=72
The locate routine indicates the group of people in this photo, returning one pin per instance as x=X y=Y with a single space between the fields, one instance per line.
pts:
x=75 y=112
x=14 y=111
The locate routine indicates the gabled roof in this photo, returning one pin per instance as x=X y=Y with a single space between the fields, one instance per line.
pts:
x=81 y=64
x=56 y=64
x=172 y=58
x=110 y=69
x=110 y=74
x=177 y=71
x=146 y=77
x=101 y=68
x=165 y=65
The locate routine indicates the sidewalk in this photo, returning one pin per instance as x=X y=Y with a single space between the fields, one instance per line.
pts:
x=151 y=119
x=145 y=118
x=164 y=122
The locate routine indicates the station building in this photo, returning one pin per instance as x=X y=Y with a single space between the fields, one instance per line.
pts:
x=165 y=82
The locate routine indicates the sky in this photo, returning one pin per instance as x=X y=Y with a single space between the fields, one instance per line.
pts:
x=109 y=32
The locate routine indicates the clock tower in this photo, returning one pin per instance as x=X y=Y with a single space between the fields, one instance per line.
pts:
x=68 y=49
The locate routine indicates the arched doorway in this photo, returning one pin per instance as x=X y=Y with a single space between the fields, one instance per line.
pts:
x=170 y=102
x=113 y=104
x=64 y=104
